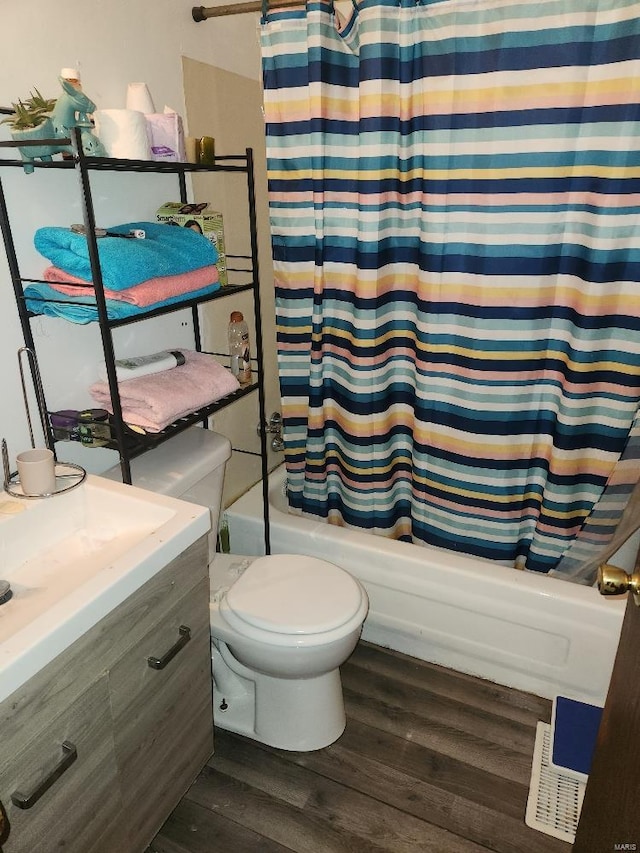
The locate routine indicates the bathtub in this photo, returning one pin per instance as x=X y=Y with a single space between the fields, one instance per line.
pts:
x=520 y=629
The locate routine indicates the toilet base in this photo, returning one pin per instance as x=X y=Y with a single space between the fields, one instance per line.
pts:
x=296 y=714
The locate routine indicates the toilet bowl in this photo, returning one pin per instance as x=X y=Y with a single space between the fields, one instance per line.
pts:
x=281 y=625
x=280 y=633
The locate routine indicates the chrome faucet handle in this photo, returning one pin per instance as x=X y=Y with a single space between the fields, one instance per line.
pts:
x=274 y=428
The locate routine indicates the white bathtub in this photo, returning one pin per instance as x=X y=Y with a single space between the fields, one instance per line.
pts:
x=524 y=630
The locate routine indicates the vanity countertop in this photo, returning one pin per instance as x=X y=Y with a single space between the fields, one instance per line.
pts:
x=73 y=558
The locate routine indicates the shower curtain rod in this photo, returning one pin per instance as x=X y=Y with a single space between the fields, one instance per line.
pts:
x=201 y=13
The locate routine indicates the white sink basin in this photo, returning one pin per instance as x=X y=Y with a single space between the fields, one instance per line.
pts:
x=73 y=558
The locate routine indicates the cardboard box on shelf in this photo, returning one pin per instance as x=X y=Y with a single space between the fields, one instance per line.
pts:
x=208 y=222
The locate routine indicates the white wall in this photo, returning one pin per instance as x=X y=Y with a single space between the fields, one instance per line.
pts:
x=112 y=44
x=212 y=95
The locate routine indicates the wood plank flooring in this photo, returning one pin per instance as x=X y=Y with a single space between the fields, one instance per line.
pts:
x=431 y=761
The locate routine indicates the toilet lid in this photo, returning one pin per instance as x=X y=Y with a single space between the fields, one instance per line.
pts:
x=292 y=594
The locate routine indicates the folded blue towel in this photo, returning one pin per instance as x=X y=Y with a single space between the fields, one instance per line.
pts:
x=42 y=299
x=166 y=250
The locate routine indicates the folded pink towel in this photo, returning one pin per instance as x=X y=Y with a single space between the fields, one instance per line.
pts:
x=153 y=402
x=144 y=294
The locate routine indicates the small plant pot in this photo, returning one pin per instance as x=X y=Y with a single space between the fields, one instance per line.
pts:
x=29 y=153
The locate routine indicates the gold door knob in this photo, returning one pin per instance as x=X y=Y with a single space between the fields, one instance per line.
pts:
x=615 y=581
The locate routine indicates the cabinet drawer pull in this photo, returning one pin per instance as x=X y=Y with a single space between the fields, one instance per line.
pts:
x=160 y=663
x=25 y=801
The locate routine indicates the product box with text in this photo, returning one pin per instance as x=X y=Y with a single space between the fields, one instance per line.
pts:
x=207 y=222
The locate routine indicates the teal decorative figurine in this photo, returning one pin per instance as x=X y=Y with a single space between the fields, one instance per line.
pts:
x=38 y=118
x=29 y=122
x=72 y=109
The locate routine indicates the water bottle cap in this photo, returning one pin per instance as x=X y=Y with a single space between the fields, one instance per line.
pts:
x=236 y=317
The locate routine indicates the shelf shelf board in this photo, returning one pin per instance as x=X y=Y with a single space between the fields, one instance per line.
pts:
x=227 y=290
x=226 y=163
x=138 y=444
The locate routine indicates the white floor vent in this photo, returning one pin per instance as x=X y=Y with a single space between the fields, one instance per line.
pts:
x=555 y=800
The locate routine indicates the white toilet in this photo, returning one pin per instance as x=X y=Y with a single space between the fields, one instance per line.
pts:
x=280 y=625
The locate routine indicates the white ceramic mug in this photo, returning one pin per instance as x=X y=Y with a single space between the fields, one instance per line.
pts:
x=37 y=471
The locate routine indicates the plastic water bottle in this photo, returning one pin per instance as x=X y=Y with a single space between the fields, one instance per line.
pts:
x=239 y=349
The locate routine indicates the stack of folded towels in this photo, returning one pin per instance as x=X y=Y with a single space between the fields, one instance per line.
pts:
x=170 y=264
x=154 y=401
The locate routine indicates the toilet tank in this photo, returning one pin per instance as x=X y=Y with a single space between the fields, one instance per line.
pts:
x=189 y=466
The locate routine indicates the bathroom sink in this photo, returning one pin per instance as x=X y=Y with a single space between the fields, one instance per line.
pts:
x=73 y=558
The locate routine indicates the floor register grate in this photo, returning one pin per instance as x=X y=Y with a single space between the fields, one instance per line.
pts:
x=555 y=799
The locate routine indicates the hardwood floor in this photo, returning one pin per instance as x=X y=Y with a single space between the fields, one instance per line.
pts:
x=430 y=761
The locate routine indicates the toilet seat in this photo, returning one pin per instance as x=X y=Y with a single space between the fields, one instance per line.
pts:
x=290 y=594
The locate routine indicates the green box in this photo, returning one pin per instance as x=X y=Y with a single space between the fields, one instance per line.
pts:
x=208 y=222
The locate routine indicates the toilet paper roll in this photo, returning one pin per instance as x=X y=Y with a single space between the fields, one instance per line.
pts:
x=139 y=98
x=123 y=133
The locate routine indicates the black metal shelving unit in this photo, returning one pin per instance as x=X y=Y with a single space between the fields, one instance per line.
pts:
x=128 y=443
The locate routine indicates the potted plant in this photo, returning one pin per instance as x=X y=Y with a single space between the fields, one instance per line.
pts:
x=31 y=119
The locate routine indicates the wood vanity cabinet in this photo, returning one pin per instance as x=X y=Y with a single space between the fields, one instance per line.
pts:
x=124 y=737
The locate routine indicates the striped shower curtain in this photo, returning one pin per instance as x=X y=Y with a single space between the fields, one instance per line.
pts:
x=454 y=194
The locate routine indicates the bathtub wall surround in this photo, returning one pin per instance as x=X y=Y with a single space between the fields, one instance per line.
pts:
x=520 y=629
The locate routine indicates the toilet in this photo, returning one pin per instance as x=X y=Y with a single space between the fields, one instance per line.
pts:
x=281 y=625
